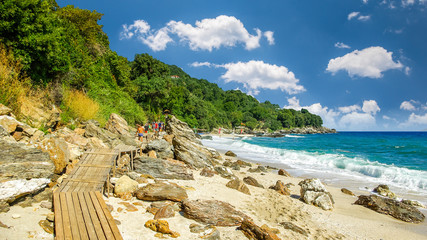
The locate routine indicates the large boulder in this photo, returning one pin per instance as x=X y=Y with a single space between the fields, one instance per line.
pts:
x=161 y=191
x=58 y=151
x=187 y=147
x=161 y=168
x=313 y=192
x=92 y=129
x=384 y=190
x=125 y=185
x=118 y=125
x=162 y=148
x=213 y=212
x=391 y=207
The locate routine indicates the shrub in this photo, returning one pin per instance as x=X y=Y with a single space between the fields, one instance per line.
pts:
x=13 y=82
x=80 y=106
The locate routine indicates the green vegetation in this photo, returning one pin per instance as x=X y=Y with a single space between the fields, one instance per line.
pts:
x=65 y=49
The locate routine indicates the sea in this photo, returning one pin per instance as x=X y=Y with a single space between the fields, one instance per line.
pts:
x=354 y=160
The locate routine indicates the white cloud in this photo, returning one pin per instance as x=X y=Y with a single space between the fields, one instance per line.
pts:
x=206 y=34
x=364 y=18
x=138 y=27
x=370 y=107
x=415 y=120
x=358 y=16
x=348 y=109
x=255 y=75
x=357 y=121
x=407 y=71
x=201 y=64
x=341 y=45
x=270 y=37
x=328 y=115
x=385 y=117
x=157 y=41
x=370 y=62
x=352 y=15
x=408 y=105
x=365 y=1
x=406 y=3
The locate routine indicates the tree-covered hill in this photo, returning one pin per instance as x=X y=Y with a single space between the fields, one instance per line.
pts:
x=65 y=50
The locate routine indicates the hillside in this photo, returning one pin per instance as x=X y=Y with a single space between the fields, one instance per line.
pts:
x=61 y=56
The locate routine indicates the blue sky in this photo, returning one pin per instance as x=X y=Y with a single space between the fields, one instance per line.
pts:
x=359 y=64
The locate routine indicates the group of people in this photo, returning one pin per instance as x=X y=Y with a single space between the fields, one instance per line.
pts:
x=154 y=127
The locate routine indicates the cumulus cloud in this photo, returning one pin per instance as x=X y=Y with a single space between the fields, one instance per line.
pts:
x=370 y=62
x=357 y=121
x=202 y=64
x=255 y=75
x=328 y=115
x=349 y=109
x=408 y=105
x=206 y=34
x=341 y=45
x=370 y=107
x=415 y=121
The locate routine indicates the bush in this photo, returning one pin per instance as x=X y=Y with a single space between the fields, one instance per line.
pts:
x=13 y=82
x=80 y=106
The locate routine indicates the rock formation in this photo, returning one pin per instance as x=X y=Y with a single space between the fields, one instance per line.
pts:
x=161 y=168
x=187 y=147
x=239 y=185
x=161 y=191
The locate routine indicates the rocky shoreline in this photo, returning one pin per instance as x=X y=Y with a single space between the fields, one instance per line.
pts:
x=184 y=190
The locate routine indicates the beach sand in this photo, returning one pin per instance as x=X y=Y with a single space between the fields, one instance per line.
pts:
x=264 y=206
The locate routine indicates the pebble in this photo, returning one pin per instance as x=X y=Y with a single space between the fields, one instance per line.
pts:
x=16 y=216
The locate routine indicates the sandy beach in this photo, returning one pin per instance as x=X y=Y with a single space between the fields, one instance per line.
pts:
x=264 y=206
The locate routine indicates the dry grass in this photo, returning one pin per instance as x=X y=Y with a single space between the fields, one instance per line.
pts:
x=80 y=105
x=14 y=84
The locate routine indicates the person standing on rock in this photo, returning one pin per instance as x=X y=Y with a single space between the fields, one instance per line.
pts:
x=140 y=133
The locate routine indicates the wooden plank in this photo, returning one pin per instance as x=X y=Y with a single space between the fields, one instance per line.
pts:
x=95 y=165
x=84 y=180
x=79 y=217
x=95 y=220
x=65 y=216
x=86 y=216
x=100 y=153
x=59 y=226
x=75 y=232
x=104 y=223
x=113 y=226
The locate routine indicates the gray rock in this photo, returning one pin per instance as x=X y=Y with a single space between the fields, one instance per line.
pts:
x=384 y=190
x=212 y=212
x=313 y=192
x=162 y=147
x=187 y=147
x=160 y=168
x=18 y=161
x=118 y=125
x=391 y=207
x=225 y=172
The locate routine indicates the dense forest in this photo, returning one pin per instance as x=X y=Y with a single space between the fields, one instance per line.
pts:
x=61 y=54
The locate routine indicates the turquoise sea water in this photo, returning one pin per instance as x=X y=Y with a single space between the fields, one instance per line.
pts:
x=359 y=160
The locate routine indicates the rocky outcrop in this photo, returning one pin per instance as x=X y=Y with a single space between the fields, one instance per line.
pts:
x=161 y=191
x=19 y=131
x=162 y=148
x=384 y=190
x=391 y=207
x=161 y=168
x=92 y=129
x=213 y=212
x=207 y=172
x=239 y=186
x=18 y=161
x=252 y=231
x=313 y=192
x=187 y=147
x=118 y=125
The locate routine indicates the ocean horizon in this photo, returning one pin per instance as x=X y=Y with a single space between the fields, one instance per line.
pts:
x=358 y=160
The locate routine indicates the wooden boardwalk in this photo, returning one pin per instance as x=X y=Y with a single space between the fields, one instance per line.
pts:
x=80 y=210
